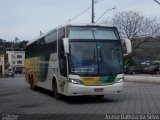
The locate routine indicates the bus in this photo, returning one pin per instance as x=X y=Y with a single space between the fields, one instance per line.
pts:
x=77 y=60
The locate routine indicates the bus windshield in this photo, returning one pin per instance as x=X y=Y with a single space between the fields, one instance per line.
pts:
x=95 y=58
x=91 y=33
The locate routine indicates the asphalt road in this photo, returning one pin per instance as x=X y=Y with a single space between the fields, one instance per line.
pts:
x=17 y=98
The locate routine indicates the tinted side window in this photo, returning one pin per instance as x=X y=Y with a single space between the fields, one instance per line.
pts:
x=43 y=46
x=32 y=50
x=61 y=33
x=51 y=37
x=51 y=43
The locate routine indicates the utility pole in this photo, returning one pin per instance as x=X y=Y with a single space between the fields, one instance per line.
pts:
x=92 y=11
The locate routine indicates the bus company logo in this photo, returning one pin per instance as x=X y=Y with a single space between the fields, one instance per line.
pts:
x=9 y=117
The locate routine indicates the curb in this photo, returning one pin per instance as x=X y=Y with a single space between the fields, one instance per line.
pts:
x=142 y=79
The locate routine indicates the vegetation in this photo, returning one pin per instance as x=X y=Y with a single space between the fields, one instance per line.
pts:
x=5 y=45
x=144 y=33
x=130 y=62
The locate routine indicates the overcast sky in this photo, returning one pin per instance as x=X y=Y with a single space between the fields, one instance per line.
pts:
x=26 y=18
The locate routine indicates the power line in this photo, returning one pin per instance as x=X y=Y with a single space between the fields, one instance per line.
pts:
x=105 y=13
x=157 y=2
x=95 y=2
x=79 y=14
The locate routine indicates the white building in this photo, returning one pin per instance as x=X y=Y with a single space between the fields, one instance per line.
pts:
x=16 y=60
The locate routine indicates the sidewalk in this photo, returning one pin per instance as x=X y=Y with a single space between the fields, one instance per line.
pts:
x=142 y=78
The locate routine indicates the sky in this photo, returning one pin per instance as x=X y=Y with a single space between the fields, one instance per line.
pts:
x=26 y=18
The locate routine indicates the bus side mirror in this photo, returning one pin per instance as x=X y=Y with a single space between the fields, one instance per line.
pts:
x=128 y=46
x=66 y=45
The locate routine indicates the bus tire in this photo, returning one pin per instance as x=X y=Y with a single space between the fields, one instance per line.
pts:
x=55 y=90
x=99 y=96
x=31 y=81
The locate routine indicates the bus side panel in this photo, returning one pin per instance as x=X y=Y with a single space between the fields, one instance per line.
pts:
x=32 y=69
x=51 y=70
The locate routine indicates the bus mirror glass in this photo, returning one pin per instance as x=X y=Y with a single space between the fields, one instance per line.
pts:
x=66 y=45
x=127 y=46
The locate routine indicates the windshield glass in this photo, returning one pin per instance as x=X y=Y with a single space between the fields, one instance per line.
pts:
x=83 y=58
x=95 y=58
x=99 y=33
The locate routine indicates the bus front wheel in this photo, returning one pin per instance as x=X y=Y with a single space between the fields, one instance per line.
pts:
x=55 y=90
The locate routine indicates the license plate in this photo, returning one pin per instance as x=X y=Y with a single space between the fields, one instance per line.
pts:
x=98 y=90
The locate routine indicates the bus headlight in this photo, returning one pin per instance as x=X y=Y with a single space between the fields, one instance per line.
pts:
x=75 y=81
x=119 y=80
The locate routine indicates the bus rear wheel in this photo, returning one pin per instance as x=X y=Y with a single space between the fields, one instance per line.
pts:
x=55 y=90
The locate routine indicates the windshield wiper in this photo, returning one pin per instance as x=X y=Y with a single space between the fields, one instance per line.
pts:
x=100 y=55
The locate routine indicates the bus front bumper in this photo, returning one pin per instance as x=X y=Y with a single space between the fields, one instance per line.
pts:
x=78 y=90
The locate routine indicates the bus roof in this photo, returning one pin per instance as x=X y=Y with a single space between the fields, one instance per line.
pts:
x=61 y=26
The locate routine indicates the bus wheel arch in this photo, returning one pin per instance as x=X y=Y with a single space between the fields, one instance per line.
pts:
x=55 y=88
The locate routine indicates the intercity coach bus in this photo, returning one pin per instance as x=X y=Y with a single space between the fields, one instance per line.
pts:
x=75 y=60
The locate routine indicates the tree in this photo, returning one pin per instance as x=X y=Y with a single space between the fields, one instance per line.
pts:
x=4 y=45
x=132 y=24
x=22 y=44
x=135 y=26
